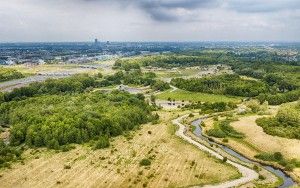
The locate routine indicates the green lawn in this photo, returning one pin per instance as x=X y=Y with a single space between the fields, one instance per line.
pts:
x=195 y=96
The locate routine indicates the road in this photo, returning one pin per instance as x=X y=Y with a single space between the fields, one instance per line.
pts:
x=247 y=173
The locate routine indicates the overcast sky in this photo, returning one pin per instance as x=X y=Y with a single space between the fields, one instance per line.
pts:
x=149 y=20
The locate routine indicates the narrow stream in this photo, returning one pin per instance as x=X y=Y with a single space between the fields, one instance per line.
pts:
x=287 y=180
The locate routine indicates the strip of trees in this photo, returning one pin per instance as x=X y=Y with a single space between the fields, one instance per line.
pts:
x=228 y=84
x=9 y=74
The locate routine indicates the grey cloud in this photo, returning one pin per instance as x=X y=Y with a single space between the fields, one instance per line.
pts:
x=265 y=6
x=164 y=10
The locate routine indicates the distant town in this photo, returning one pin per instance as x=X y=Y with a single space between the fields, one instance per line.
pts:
x=85 y=52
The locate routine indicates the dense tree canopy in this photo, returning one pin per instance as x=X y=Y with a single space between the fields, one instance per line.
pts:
x=54 y=120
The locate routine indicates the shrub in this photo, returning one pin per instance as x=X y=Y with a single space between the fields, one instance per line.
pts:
x=67 y=167
x=191 y=115
x=102 y=142
x=225 y=140
x=145 y=162
x=261 y=177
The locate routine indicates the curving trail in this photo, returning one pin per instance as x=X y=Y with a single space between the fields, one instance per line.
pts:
x=247 y=173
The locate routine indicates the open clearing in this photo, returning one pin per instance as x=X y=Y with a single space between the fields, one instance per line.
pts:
x=175 y=163
x=196 y=96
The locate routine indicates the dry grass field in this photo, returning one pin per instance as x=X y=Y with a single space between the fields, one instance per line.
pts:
x=174 y=163
x=257 y=137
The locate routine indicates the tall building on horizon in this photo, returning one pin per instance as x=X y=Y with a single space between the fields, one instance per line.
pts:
x=96 y=41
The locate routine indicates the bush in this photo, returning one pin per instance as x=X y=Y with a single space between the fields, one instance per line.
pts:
x=8 y=154
x=145 y=162
x=225 y=140
x=67 y=167
x=102 y=142
x=261 y=177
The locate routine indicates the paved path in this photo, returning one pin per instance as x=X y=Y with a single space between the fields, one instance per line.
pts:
x=247 y=173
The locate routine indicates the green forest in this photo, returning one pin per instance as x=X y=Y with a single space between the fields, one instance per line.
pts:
x=59 y=112
x=55 y=120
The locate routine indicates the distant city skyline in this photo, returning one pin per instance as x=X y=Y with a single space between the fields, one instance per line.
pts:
x=149 y=20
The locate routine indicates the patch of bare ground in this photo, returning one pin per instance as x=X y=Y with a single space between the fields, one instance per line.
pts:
x=174 y=163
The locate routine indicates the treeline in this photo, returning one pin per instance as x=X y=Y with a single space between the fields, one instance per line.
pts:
x=208 y=107
x=228 y=84
x=127 y=64
x=56 y=120
x=9 y=74
x=74 y=84
x=223 y=129
x=166 y=61
x=239 y=61
x=282 y=77
x=135 y=77
x=82 y=82
x=286 y=123
x=279 y=98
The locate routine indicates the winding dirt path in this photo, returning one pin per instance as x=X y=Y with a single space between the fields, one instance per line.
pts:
x=247 y=173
